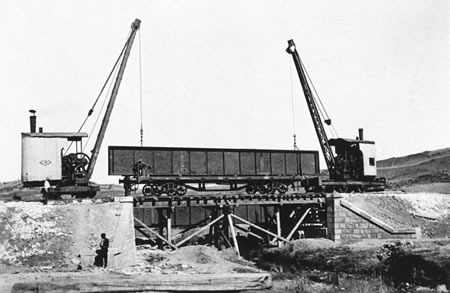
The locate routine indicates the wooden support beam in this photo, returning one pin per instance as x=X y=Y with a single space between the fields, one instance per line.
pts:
x=198 y=232
x=259 y=228
x=196 y=225
x=248 y=232
x=169 y=227
x=155 y=234
x=233 y=234
x=150 y=283
x=298 y=224
x=277 y=216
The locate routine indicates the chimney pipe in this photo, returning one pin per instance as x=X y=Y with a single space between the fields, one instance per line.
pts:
x=41 y=130
x=33 y=121
x=361 y=134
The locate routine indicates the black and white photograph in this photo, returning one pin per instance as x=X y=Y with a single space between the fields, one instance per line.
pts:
x=225 y=146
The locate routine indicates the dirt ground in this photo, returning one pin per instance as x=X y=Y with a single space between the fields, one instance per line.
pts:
x=364 y=266
x=38 y=243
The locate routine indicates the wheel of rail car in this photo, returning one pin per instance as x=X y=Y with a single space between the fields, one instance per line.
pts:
x=150 y=190
x=271 y=187
x=168 y=189
x=262 y=189
x=171 y=191
x=282 y=189
x=181 y=190
x=134 y=187
x=155 y=190
x=147 y=190
x=250 y=189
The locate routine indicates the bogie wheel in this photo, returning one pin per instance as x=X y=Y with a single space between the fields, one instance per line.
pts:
x=262 y=189
x=181 y=190
x=271 y=188
x=282 y=189
x=134 y=187
x=147 y=190
x=151 y=190
x=250 y=189
x=168 y=189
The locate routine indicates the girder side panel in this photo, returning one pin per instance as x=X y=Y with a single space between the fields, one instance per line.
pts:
x=212 y=162
x=231 y=162
x=263 y=163
x=181 y=163
x=162 y=162
x=121 y=162
x=292 y=165
x=198 y=163
x=215 y=163
x=248 y=163
x=278 y=163
x=309 y=164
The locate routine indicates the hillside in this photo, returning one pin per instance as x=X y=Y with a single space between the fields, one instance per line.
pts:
x=426 y=171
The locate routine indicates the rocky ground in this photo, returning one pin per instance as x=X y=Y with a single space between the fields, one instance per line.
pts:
x=38 y=242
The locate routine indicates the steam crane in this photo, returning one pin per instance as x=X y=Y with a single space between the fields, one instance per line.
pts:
x=43 y=156
x=353 y=168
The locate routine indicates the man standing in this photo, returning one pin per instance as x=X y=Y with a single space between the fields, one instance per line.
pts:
x=104 y=245
x=46 y=187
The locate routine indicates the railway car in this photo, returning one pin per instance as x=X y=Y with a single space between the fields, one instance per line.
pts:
x=172 y=171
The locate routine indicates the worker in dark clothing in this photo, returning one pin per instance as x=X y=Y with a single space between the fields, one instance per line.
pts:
x=104 y=245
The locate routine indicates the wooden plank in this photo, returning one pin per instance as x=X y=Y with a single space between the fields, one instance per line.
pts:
x=198 y=231
x=298 y=224
x=259 y=228
x=150 y=283
x=155 y=234
x=233 y=234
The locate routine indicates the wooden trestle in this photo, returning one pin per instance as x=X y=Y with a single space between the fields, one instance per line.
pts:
x=274 y=219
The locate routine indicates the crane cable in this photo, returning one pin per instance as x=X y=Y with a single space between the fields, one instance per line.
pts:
x=91 y=110
x=116 y=71
x=293 y=107
x=140 y=90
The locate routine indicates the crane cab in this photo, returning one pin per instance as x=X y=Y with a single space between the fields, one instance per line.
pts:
x=43 y=156
x=355 y=159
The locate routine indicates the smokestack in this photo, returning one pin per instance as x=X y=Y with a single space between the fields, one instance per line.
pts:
x=41 y=129
x=361 y=134
x=33 y=121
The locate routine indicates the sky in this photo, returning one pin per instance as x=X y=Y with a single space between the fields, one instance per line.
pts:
x=215 y=73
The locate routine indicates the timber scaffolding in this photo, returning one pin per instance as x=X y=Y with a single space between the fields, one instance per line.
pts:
x=271 y=218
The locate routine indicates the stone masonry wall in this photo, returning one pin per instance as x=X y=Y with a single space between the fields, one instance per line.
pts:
x=347 y=222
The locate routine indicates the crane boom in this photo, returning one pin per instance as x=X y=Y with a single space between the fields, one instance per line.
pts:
x=134 y=28
x=320 y=131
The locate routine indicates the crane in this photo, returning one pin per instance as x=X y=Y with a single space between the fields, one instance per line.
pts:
x=83 y=173
x=313 y=110
x=43 y=156
x=354 y=167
